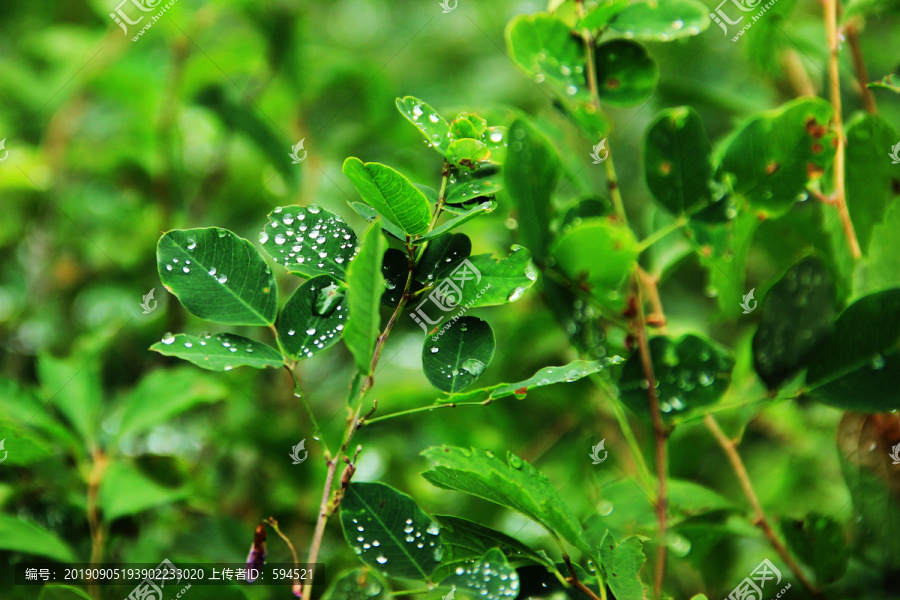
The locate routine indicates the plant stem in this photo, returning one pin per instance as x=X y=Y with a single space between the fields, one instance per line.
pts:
x=317 y=431
x=99 y=462
x=737 y=464
x=834 y=78
x=580 y=586
x=271 y=522
x=661 y=233
x=429 y=408
x=859 y=64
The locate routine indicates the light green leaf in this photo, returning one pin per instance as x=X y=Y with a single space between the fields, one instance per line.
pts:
x=73 y=386
x=547 y=376
x=389 y=532
x=489 y=577
x=690 y=372
x=662 y=21
x=531 y=174
x=166 y=393
x=859 y=367
x=677 y=161
x=313 y=317
x=358 y=584
x=18 y=536
x=480 y=209
x=468 y=153
x=578 y=250
x=459 y=356
x=514 y=484
x=622 y=564
x=777 y=153
x=602 y=14
x=370 y=214
x=391 y=194
x=219 y=352
x=796 y=317
x=544 y=47
x=125 y=491
x=217 y=276
x=495 y=138
x=309 y=240
x=22 y=447
x=427 y=120
x=626 y=73
x=880 y=270
x=365 y=287
x=888 y=82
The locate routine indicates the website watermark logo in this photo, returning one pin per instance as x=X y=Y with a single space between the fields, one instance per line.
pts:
x=595 y=453
x=448 y=294
x=296 y=159
x=751 y=588
x=295 y=452
x=894 y=454
x=895 y=153
x=164 y=573
x=596 y=152
x=123 y=20
x=5 y=452
x=445 y=4
x=148 y=298
x=748 y=298
x=723 y=18
x=6 y=152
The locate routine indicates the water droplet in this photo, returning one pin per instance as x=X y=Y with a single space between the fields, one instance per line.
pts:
x=222 y=233
x=313 y=209
x=168 y=339
x=878 y=362
x=168 y=267
x=433 y=529
x=381 y=559
x=191 y=244
x=473 y=366
x=222 y=278
x=188 y=345
x=280 y=239
x=434 y=349
x=185 y=269
x=515 y=294
x=515 y=462
x=212 y=271
x=311 y=331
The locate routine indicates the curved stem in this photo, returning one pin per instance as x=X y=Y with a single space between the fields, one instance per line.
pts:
x=761 y=521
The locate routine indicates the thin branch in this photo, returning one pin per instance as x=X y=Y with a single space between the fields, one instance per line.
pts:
x=859 y=65
x=737 y=464
x=99 y=462
x=580 y=586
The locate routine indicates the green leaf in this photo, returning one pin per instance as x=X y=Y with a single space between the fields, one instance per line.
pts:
x=691 y=372
x=468 y=153
x=514 y=484
x=370 y=214
x=365 y=287
x=476 y=211
x=427 y=120
x=214 y=352
x=489 y=577
x=495 y=139
x=872 y=183
x=395 y=268
x=19 y=536
x=796 y=318
x=531 y=174
x=166 y=393
x=358 y=584
x=389 y=532
x=602 y=14
x=468 y=125
x=777 y=153
x=819 y=542
x=859 y=367
x=544 y=47
x=593 y=122
x=465 y=540
x=391 y=194
x=73 y=386
x=308 y=324
x=217 y=276
x=881 y=268
x=459 y=356
x=62 y=592
x=626 y=73
x=888 y=82
x=677 y=161
x=125 y=491
x=547 y=376
x=443 y=253
x=662 y=21
x=465 y=186
x=622 y=564
x=577 y=253
x=309 y=240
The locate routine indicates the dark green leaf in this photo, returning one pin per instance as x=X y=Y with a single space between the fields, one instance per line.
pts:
x=487 y=180
x=303 y=328
x=365 y=288
x=395 y=268
x=488 y=577
x=358 y=584
x=514 y=484
x=219 y=352
x=427 y=120
x=677 y=161
x=391 y=194
x=18 y=536
x=389 y=532
x=370 y=214
x=589 y=207
x=459 y=356
x=217 y=276
x=796 y=317
x=475 y=211
x=622 y=563
x=819 y=542
x=859 y=367
x=442 y=254
x=662 y=21
x=309 y=240
x=531 y=174
x=626 y=73
x=691 y=372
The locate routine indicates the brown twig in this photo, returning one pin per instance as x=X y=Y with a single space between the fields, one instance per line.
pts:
x=859 y=65
x=99 y=462
x=573 y=579
x=761 y=521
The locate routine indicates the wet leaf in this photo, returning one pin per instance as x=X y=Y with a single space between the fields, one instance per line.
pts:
x=514 y=484
x=365 y=285
x=677 y=161
x=819 y=542
x=546 y=49
x=301 y=332
x=485 y=181
x=547 y=376
x=626 y=73
x=859 y=367
x=389 y=532
x=427 y=120
x=797 y=316
x=358 y=584
x=495 y=139
x=489 y=576
x=18 y=536
x=451 y=224
x=460 y=354
x=391 y=194
x=217 y=276
x=219 y=352
x=309 y=240
x=395 y=269
x=370 y=214
x=691 y=372
x=662 y=21
x=467 y=125
x=468 y=153
x=442 y=254
x=622 y=563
